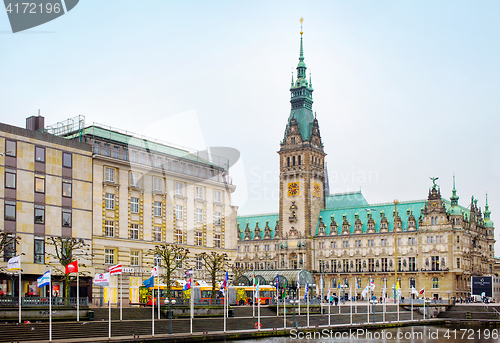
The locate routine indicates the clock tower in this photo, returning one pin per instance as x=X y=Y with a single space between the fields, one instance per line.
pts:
x=302 y=175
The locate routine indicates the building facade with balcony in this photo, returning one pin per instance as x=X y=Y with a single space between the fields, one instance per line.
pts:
x=343 y=240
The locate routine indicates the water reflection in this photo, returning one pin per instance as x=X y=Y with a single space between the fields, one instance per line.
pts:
x=409 y=334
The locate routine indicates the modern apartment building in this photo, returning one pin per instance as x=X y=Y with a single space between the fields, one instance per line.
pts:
x=45 y=191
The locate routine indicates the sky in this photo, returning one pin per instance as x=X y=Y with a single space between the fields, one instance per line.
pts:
x=404 y=90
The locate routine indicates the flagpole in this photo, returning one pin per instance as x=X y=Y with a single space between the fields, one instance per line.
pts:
x=253 y=298
x=383 y=299
x=77 y=297
x=109 y=310
x=424 y=305
x=284 y=310
x=50 y=305
x=368 y=308
x=159 y=295
x=307 y=296
x=121 y=296
x=350 y=303
x=411 y=295
x=19 y=296
x=153 y=308
x=258 y=311
x=298 y=297
x=192 y=285
x=224 y=311
x=329 y=308
x=398 y=303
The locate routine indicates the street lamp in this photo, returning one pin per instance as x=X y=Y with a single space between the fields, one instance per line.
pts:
x=343 y=286
x=294 y=302
x=169 y=303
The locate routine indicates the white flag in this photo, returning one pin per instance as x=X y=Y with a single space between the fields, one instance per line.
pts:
x=365 y=291
x=155 y=271
x=14 y=263
x=414 y=291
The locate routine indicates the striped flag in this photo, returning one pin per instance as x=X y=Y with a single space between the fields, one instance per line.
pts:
x=117 y=269
x=298 y=281
x=307 y=291
x=44 y=280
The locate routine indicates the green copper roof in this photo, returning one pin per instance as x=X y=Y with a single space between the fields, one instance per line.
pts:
x=301 y=99
x=345 y=200
x=487 y=214
x=143 y=144
x=261 y=220
x=377 y=211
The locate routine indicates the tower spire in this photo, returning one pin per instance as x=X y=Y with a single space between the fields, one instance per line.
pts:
x=487 y=211
x=454 y=198
x=301 y=67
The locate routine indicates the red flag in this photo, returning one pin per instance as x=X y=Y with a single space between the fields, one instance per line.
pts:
x=421 y=291
x=117 y=269
x=72 y=267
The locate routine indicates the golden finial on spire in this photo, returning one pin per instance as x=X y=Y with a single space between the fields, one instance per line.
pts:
x=301 y=20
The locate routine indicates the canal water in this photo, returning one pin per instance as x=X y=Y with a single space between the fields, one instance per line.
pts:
x=409 y=334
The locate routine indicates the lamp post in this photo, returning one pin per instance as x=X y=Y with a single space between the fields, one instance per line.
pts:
x=322 y=270
x=343 y=286
x=170 y=313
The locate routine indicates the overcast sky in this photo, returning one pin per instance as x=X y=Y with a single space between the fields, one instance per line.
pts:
x=404 y=90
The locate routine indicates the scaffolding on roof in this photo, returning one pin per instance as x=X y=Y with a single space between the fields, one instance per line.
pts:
x=65 y=127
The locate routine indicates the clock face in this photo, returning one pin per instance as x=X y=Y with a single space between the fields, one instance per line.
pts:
x=317 y=190
x=434 y=204
x=293 y=188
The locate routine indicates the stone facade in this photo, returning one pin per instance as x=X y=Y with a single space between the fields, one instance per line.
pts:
x=46 y=191
x=344 y=240
x=146 y=193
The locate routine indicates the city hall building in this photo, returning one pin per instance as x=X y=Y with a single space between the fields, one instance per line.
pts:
x=346 y=241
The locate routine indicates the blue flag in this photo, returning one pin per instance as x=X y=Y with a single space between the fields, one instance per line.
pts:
x=149 y=282
x=307 y=291
x=44 y=280
x=277 y=282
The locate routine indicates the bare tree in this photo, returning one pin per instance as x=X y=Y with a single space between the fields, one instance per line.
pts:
x=172 y=256
x=66 y=250
x=237 y=272
x=214 y=264
x=8 y=243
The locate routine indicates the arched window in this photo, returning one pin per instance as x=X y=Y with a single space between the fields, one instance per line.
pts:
x=346 y=282
x=412 y=282
x=432 y=220
x=299 y=160
x=288 y=161
x=334 y=283
x=435 y=282
x=293 y=160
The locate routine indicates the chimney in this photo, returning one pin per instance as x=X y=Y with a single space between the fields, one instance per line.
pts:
x=35 y=123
